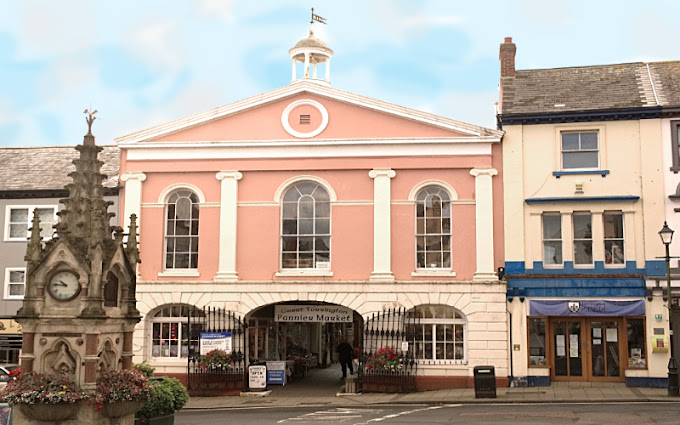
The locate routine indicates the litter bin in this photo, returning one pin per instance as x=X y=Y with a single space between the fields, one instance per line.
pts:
x=485 y=382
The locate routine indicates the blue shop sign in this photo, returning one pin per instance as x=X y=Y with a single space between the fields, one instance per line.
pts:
x=586 y=308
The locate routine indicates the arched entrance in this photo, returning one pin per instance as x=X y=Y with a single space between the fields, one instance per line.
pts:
x=300 y=338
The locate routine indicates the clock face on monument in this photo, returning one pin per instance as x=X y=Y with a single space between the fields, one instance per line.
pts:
x=64 y=286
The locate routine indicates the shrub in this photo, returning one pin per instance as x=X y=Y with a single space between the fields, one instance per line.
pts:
x=146 y=369
x=168 y=396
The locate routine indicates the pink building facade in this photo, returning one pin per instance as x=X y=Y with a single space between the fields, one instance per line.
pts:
x=311 y=195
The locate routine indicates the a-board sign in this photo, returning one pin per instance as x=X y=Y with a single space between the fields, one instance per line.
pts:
x=257 y=377
x=215 y=341
x=276 y=373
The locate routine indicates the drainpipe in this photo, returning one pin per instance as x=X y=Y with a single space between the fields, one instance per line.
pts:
x=512 y=374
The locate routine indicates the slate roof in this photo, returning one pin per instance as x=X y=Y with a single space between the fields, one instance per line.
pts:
x=47 y=168
x=589 y=88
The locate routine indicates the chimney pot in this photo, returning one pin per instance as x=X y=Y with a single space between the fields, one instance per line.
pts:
x=508 y=39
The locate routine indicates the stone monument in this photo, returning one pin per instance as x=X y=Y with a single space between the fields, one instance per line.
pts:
x=79 y=311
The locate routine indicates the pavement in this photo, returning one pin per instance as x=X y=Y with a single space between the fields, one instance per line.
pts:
x=309 y=393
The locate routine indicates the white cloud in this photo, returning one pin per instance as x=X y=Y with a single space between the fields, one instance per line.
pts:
x=222 y=9
x=157 y=42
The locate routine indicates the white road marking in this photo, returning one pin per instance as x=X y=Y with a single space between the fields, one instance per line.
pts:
x=395 y=415
x=339 y=414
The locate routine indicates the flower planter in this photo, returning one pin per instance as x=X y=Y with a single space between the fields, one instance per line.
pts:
x=120 y=408
x=49 y=412
x=159 y=420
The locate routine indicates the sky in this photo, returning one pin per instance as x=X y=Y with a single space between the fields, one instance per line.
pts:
x=146 y=62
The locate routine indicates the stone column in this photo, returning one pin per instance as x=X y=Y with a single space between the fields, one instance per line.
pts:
x=382 y=270
x=306 y=65
x=227 y=247
x=133 y=196
x=484 y=222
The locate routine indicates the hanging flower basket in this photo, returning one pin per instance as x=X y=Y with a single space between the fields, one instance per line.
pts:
x=48 y=411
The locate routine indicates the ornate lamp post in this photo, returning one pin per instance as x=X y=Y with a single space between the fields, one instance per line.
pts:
x=666 y=234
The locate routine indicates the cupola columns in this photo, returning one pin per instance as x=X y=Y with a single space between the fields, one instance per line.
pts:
x=311 y=52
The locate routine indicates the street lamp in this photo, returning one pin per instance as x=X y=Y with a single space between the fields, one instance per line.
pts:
x=666 y=234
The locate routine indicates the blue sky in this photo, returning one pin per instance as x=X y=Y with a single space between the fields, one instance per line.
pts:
x=147 y=62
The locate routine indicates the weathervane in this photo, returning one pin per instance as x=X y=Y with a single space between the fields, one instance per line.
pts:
x=90 y=119
x=317 y=18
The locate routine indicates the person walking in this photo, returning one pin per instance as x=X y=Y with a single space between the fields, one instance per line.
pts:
x=345 y=351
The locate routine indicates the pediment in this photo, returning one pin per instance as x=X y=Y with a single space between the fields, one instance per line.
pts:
x=308 y=111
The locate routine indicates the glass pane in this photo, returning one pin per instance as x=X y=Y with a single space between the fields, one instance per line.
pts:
x=560 y=351
x=433 y=225
x=289 y=243
x=182 y=244
x=306 y=244
x=16 y=290
x=579 y=160
x=194 y=261
x=321 y=195
x=597 y=342
x=583 y=252
x=323 y=226
x=420 y=209
x=570 y=142
x=612 y=336
x=171 y=211
x=306 y=226
x=289 y=227
x=575 y=360
x=434 y=243
x=446 y=225
x=19 y=215
x=16 y=276
x=552 y=226
x=322 y=243
x=306 y=260
x=439 y=332
x=420 y=258
x=446 y=243
x=446 y=260
x=182 y=227
x=582 y=226
x=183 y=206
x=552 y=252
x=168 y=261
x=420 y=243
x=289 y=210
x=636 y=343
x=289 y=260
x=433 y=259
x=45 y=214
x=292 y=195
x=306 y=188
x=194 y=244
x=537 y=342
x=322 y=256
x=306 y=207
x=18 y=230
x=613 y=226
x=420 y=226
x=323 y=210
x=589 y=140
x=194 y=211
x=613 y=252
x=181 y=261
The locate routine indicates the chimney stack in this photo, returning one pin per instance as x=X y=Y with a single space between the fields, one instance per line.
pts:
x=507 y=57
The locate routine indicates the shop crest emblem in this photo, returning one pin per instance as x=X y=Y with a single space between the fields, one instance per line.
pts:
x=574 y=306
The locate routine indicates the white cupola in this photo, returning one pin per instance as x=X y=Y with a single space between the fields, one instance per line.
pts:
x=311 y=52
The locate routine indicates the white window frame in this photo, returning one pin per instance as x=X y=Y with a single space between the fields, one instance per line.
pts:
x=31 y=212
x=574 y=240
x=440 y=321
x=597 y=150
x=622 y=239
x=176 y=271
x=306 y=270
x=443 y=268
x=544 y=240
x=179 y=320
x=7 y=295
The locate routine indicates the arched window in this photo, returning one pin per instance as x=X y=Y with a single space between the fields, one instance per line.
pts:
x=111 y=291
x=433 y=228
x=439 y=332
x=306 y=227
x=169 y=332
x=181 y=230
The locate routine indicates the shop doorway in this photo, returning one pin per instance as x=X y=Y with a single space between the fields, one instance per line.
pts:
x=587 y=349
x=301 y=337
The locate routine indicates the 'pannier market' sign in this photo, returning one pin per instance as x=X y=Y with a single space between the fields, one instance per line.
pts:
x=312 y=313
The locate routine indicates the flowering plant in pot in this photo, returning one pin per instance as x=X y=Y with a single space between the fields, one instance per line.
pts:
x=121 y=392
x=43 y=397
x=216 y=359
x=385 y=358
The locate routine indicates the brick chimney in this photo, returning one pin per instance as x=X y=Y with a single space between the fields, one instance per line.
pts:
x=507 y=57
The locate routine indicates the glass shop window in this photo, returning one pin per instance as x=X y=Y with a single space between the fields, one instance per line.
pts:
x=636 y=343
x=537 y=355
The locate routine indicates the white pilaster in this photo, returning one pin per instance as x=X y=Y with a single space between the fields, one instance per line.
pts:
x=484 y=222
x=227 y=246
x=382 y=270
x=133 y=197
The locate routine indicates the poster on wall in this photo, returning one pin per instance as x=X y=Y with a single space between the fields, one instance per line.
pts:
x=612 y=335
x=560 y=343
x=573 y=346
x=215 y=341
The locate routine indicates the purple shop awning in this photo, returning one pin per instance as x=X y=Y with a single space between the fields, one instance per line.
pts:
x=586 y=308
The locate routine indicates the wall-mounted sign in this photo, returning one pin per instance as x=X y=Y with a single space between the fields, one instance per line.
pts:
x=586 y=308
x=215 y=341
x=257 y=377
x=312 y=313
x=9 y=326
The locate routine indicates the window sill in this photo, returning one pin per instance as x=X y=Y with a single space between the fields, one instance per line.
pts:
x=13 y=298
x=433 y=273
x=302 y=273
x=179 y=273
x=559 y=174
x=422 y=362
